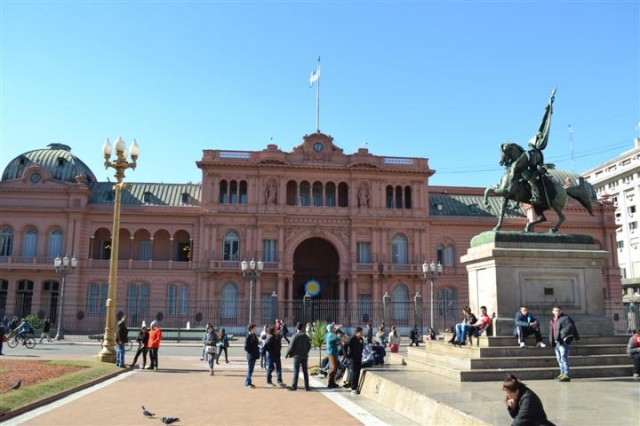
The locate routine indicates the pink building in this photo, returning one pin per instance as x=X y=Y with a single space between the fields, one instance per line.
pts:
x=356 y=228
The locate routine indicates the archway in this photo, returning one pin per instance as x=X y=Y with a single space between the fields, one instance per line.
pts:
x=316 y=259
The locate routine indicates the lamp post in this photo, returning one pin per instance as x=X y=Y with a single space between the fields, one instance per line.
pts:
x=63 y=267
x=251 y=270
x=433 y=272
x=120 y=164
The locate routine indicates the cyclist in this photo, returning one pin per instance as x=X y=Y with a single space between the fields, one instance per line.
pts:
x=23 y=329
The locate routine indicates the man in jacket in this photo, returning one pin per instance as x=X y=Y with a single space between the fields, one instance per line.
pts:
x=253 y=353
x=122 y=337
x=354 y=353
x=563 y=332
x=299 y=349
x=272 y=349
x=527 y=325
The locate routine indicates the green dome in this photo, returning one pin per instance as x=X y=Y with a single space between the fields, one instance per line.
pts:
x=57 y=158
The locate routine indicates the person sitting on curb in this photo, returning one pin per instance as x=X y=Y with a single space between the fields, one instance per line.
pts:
x=462 y=328
x=527 y=325
x=633 y=350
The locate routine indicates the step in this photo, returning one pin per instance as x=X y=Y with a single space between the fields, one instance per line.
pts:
x=515 y=351
x=493 y=341
x=524 y=361
x=546 y=373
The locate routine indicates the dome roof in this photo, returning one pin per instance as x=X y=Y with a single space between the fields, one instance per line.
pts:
x=57 y=158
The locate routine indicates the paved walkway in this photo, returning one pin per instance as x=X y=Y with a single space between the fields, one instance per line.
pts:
x=183 y=388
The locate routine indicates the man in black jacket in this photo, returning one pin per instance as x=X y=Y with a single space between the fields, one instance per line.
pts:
x=563 y=332
x=526 y=325
x=354 y=353
x=299 y=348
x=272 y=349
x=252 y=351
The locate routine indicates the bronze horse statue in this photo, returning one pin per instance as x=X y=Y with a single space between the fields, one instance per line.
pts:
x=513 y=188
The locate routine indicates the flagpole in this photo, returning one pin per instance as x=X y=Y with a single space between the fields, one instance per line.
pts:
x=318 y=98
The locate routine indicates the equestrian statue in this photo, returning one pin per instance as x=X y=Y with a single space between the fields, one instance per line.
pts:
x=526 y=179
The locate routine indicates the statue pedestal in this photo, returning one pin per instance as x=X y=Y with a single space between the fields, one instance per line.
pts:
x=510 y=269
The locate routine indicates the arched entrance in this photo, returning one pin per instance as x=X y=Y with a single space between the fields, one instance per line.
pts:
x=316 y=259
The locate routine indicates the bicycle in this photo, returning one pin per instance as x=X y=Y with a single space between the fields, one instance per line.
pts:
x=13 y=339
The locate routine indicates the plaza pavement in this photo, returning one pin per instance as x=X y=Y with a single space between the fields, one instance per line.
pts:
x=183 y=388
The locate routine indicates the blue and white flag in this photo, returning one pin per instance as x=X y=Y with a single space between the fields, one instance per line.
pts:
x=315 y=75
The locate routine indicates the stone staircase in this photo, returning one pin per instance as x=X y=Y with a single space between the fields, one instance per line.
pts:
x=490 y=358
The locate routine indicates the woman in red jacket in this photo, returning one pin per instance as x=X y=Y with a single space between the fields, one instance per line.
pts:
x=155 y=336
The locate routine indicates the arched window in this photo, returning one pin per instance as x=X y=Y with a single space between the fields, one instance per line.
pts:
x=231 y=246
x=54 y=245
x=316 y=194
x=229 y=302
x=224 y=192
x=292 y=193
x=398 y=197
x=305 y=189
x=445 y=255
x=6 y=242
x=30 y=246
x=243 y=192
x=343 y=195
x=399 y=250
x=407 y=197
x=330 y=194
x=400 y=302
x=233 y=192
x=389 y=197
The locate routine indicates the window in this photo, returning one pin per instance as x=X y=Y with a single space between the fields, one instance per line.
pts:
x=316 y=194
x=270 y=249
x=269 y=307
x=401 y=305
x=223 y=192
x=445 y=255
x=30 y=248
x=54 y=245
x=233 y=192
x=343 y=195
x=231 y=246
x=97 y=298
x=138 y=302
x=447 y=305
x=229 y=302
x=330 y=194
x=407 y=197
x=24 y=296
x=398 y=197
x=364 y=252
x=105 y=249
x=633 y=226
x=6 y=242
x=183 y=251
x=305 y=188
x=145 y=250
x=184 y=300
x=389 y=197
x=243 y=192
x=620 y=245
x=172 y=296
x=399 y=250
x=631 y=210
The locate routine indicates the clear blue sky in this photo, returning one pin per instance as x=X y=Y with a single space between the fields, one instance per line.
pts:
x=445 y=80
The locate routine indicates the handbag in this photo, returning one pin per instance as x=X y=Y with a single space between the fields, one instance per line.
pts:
x=211 y=349
x=5 y=338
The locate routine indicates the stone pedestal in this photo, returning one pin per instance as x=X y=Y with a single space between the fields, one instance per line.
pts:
x=510 y=269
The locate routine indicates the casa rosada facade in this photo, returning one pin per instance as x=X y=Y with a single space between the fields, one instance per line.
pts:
x=341 y=237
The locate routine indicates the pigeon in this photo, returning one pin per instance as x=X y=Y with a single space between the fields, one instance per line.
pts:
x=147 y=413
x=169 y=420
x=17 y=385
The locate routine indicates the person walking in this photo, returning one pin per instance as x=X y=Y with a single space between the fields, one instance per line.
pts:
x=211 y=343
x=143 y=347
x=523 y=405
x=284 y=331
x=223 y=345
x=46 y=329
x=2 y=336
x=204 y=342
x=122 y=337
x=272 y=350
x=563 y=333
x=299 y=350
x=252 y=352
x=331 y=341
x=354 y=353
x=369 y=333
x=633 y=350
x=526 y=325
x=155 y=337
x=394 y=340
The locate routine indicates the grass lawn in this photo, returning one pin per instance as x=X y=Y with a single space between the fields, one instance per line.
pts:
x=27 y=394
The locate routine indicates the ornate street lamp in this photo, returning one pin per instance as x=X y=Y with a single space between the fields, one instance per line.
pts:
x=120 y=164
x=251 y=270
x=63 y=267
x=432 y=271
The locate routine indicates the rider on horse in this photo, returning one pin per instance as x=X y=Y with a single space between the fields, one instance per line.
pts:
x=533 y=158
